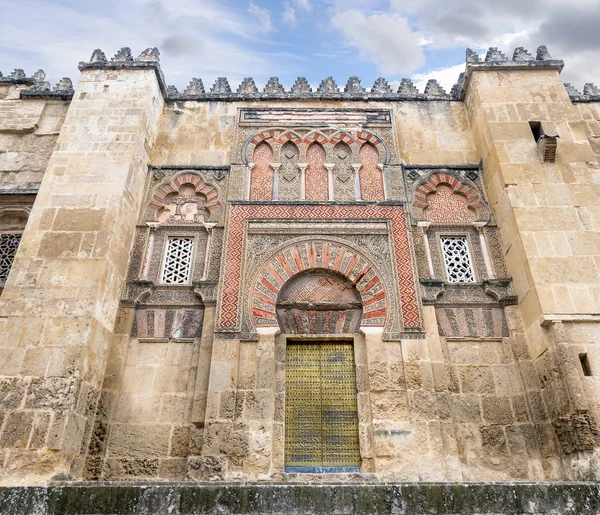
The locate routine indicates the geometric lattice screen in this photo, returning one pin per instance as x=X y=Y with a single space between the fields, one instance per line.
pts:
x=9 y=243
x=178 y=261
x=459 y=268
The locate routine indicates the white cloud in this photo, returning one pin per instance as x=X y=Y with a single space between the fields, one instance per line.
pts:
x=447 y=77
x=289 y=14
x=60 y=34
x=304 y=4
x=263 y=17
x=385 y=39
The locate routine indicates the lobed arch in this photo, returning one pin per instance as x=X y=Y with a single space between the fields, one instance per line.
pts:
x=329 y=256
x=175 y=184
x=328 y=137
x=464 y=189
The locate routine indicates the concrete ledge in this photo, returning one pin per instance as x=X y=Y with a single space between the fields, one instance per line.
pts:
x=240 y=498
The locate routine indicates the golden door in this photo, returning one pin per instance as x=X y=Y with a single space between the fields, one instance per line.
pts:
x=321 y=422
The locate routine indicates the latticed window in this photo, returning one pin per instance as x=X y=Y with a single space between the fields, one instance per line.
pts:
x=178 y=261
x=9 y=243
x=459 y=268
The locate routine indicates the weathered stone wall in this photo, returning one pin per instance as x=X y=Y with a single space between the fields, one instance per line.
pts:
x=548 y=217
x=60 y=302
x=590 y=114
x=29 y=128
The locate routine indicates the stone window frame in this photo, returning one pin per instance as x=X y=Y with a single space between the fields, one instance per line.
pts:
x=168 y=236
x=10 y=232
x=434 y=235
x=163 y=233
x=470 y=259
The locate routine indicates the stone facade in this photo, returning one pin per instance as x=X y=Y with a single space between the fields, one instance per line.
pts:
x=171 y=246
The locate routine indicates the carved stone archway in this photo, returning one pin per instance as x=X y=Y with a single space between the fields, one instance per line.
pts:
x=319 y=301
x=338 y=260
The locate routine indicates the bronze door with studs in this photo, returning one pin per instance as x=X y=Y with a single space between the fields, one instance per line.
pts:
x=321 y=420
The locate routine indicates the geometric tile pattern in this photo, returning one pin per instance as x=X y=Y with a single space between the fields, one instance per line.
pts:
x=261 y=185
x=228 y=317
x=293 y=260
x=444 y=199
x=316 y=175
x=371 y=177
x=9 y=243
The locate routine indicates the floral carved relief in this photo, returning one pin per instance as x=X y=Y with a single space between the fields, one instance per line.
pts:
x=343 y=173
x=289 y=173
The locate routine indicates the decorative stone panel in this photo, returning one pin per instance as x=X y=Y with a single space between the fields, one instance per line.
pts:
x=325 y=216
x=324 y=255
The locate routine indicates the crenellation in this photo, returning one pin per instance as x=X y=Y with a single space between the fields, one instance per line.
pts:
x=407 y=88
x=381 y=87
x=247 y=87
x=273 y=87
x=150 y=54
x=195 y=88
x=354 y=87
x=521 y=54
x=123 y=55
x=591 y=89
x=328 y=86
x=301 y=87
x=221 y=87
x=542 y=54
x=572 y=90
x=433 y=89
x=493 y=54
x=98 y=56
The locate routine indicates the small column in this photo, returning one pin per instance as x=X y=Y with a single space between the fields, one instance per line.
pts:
x=276 y=167
x=149 y=249
x=330 y=167
x=424 y=227
x=303 y=167
x=208 y=253
x=385 y=195
x=249 y=175
x=484 y=249
x=357 y=180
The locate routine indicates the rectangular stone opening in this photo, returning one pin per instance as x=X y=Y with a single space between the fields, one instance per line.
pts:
x=585 y=364
x=321 y=419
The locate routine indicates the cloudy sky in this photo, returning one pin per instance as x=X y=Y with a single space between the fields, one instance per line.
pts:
x=420 y=39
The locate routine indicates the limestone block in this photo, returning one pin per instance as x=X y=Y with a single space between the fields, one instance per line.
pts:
x=179 y=446
x=131 y=441
x=17 y=430
x=12 y=392
x=476 y=379
x=497 y=410
x=173 y=408
x=466 y=408
x=258 y=405
x=389 y=405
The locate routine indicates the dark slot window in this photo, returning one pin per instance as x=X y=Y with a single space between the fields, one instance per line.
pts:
x=585 y=364
x=536 y=130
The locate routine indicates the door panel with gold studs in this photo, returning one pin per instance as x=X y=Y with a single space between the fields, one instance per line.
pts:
x=321 y=422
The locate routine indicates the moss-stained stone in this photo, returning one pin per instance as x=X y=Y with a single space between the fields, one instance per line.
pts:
x=326 y=499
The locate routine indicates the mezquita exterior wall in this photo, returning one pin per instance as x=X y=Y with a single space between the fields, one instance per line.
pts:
x=233 y=286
